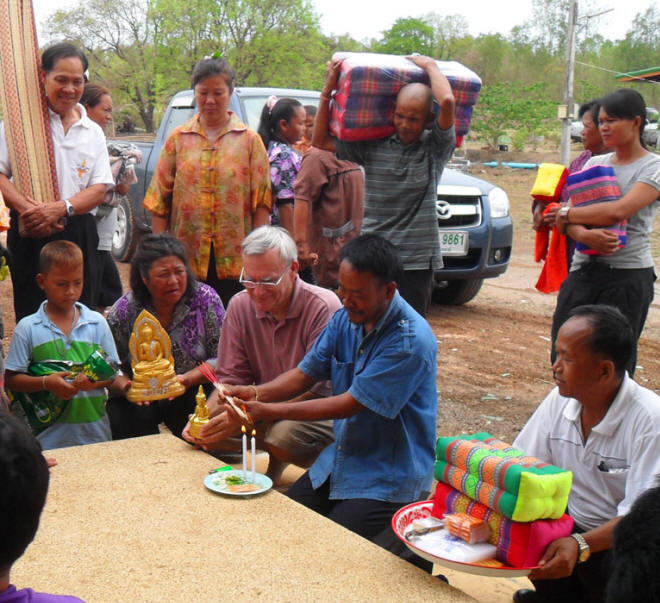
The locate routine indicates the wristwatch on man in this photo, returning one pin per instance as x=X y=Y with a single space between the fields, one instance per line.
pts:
x=563 y=212
x=584 y=552
x=70 y=210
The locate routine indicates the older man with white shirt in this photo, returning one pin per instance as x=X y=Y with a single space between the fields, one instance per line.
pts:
x=605 y=428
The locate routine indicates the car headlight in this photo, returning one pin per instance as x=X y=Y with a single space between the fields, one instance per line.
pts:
x=499 y=203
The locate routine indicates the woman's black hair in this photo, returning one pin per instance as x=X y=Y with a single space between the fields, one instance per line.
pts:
x=211 y=67
x=151 y=248
x=372 y=253
x=626 y=103
x=269 y=123
x=92 y=95
x=592 y=107
x=23 y=487
x=63 y=50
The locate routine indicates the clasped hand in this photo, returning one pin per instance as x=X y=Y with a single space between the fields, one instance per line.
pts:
x=41 y=220
x=224 y=422
x=558 y=560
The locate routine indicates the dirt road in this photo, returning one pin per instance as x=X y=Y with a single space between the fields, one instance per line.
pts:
x=494 y=352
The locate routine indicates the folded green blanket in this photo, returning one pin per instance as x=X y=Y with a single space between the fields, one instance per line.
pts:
x=501 y=477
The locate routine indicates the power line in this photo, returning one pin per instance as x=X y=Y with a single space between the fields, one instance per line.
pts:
x=618 y=73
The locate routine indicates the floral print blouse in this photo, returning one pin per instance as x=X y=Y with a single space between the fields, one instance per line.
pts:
x=209 y=191
x=194 y=329
x=284 y=167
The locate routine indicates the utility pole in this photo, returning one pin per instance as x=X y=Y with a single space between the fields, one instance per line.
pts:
x=565 y=151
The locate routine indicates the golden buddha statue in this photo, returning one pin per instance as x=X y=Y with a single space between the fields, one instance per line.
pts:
x=201 y=416
x=151 y=359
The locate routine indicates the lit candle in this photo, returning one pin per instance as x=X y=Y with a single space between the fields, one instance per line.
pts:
x=244 y=452
x=253 y=450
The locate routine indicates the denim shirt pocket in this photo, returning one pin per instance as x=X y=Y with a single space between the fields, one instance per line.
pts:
x=342 y=376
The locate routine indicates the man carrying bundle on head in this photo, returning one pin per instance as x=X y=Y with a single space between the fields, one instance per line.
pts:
x=402 y=173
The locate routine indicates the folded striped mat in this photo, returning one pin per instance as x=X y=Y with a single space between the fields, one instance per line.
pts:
x=596 y=184
x=502 y=477
x=368 y=83
x=24 y=105
x=520 y=544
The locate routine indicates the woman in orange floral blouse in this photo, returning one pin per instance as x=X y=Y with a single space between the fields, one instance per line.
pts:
x=212 y=182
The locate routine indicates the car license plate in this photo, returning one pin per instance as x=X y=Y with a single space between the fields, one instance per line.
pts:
x=454 y=242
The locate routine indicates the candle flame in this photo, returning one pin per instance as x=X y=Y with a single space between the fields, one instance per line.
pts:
x=254 y=432
x=243 y=428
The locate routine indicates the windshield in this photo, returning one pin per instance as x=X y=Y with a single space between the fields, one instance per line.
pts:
x=252 y=106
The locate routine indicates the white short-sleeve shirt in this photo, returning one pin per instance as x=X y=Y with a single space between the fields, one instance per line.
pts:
x=619 y=460
x=81 y=156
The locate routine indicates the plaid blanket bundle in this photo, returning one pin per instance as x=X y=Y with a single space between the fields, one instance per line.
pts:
x=596 y=184
x=368 y=83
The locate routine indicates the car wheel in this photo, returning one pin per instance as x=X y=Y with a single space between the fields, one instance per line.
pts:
x=124 y=239
x=456 y=293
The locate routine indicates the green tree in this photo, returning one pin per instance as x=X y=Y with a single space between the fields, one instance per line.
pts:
x=407 y=36
x=145 y=50
x=508 y=108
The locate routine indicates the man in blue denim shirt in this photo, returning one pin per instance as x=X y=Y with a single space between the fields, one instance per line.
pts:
x=381 y=357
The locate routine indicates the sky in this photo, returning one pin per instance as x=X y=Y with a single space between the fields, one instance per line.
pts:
x=366 y=19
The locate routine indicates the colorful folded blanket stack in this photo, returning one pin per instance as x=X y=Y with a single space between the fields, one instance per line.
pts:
x=519 y=544
x=368 y=83
x=522 y=499
x=596 y=184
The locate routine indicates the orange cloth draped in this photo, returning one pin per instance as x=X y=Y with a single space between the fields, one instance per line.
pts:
x=554 y=268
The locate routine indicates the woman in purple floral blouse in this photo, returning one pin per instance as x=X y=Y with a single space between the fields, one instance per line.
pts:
x=191 y=312
x=282 y=125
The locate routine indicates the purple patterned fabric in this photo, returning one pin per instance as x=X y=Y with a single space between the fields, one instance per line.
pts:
x=194 y=328
x=284 y=165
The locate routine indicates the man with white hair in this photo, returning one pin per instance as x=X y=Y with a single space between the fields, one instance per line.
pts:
x=267 y=330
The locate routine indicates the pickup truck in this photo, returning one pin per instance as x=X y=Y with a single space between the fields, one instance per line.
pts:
x=476 y=229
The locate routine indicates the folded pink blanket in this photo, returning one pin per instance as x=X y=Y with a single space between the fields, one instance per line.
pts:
x=519 y=544
x=367 y=87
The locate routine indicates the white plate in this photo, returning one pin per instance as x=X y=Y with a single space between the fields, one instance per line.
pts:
x=491 y=567
x=216 y=482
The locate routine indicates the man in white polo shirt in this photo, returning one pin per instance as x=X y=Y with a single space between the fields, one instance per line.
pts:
x=605 y=428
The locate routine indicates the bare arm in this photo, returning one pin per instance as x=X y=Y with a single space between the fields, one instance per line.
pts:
x=604 y=241
x=317 y=409
x=561 y=555
x=611 y=212
x=321 y=137
x=300 y=222
x=46 y=214
x=260 y=217
x=14 y=199
x=440 y=88
x=159 y=224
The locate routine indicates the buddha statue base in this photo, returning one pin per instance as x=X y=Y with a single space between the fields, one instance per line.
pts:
x=154 y=377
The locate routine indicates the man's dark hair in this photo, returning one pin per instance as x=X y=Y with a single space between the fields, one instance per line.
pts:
x=372 y=253
x=23 y=487
x=151 y=248
x=612 y=336
x=634 y=574
x=63 y=50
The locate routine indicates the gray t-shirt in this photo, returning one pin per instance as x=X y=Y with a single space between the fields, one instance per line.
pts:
x=637 y=251
x=401 y=191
